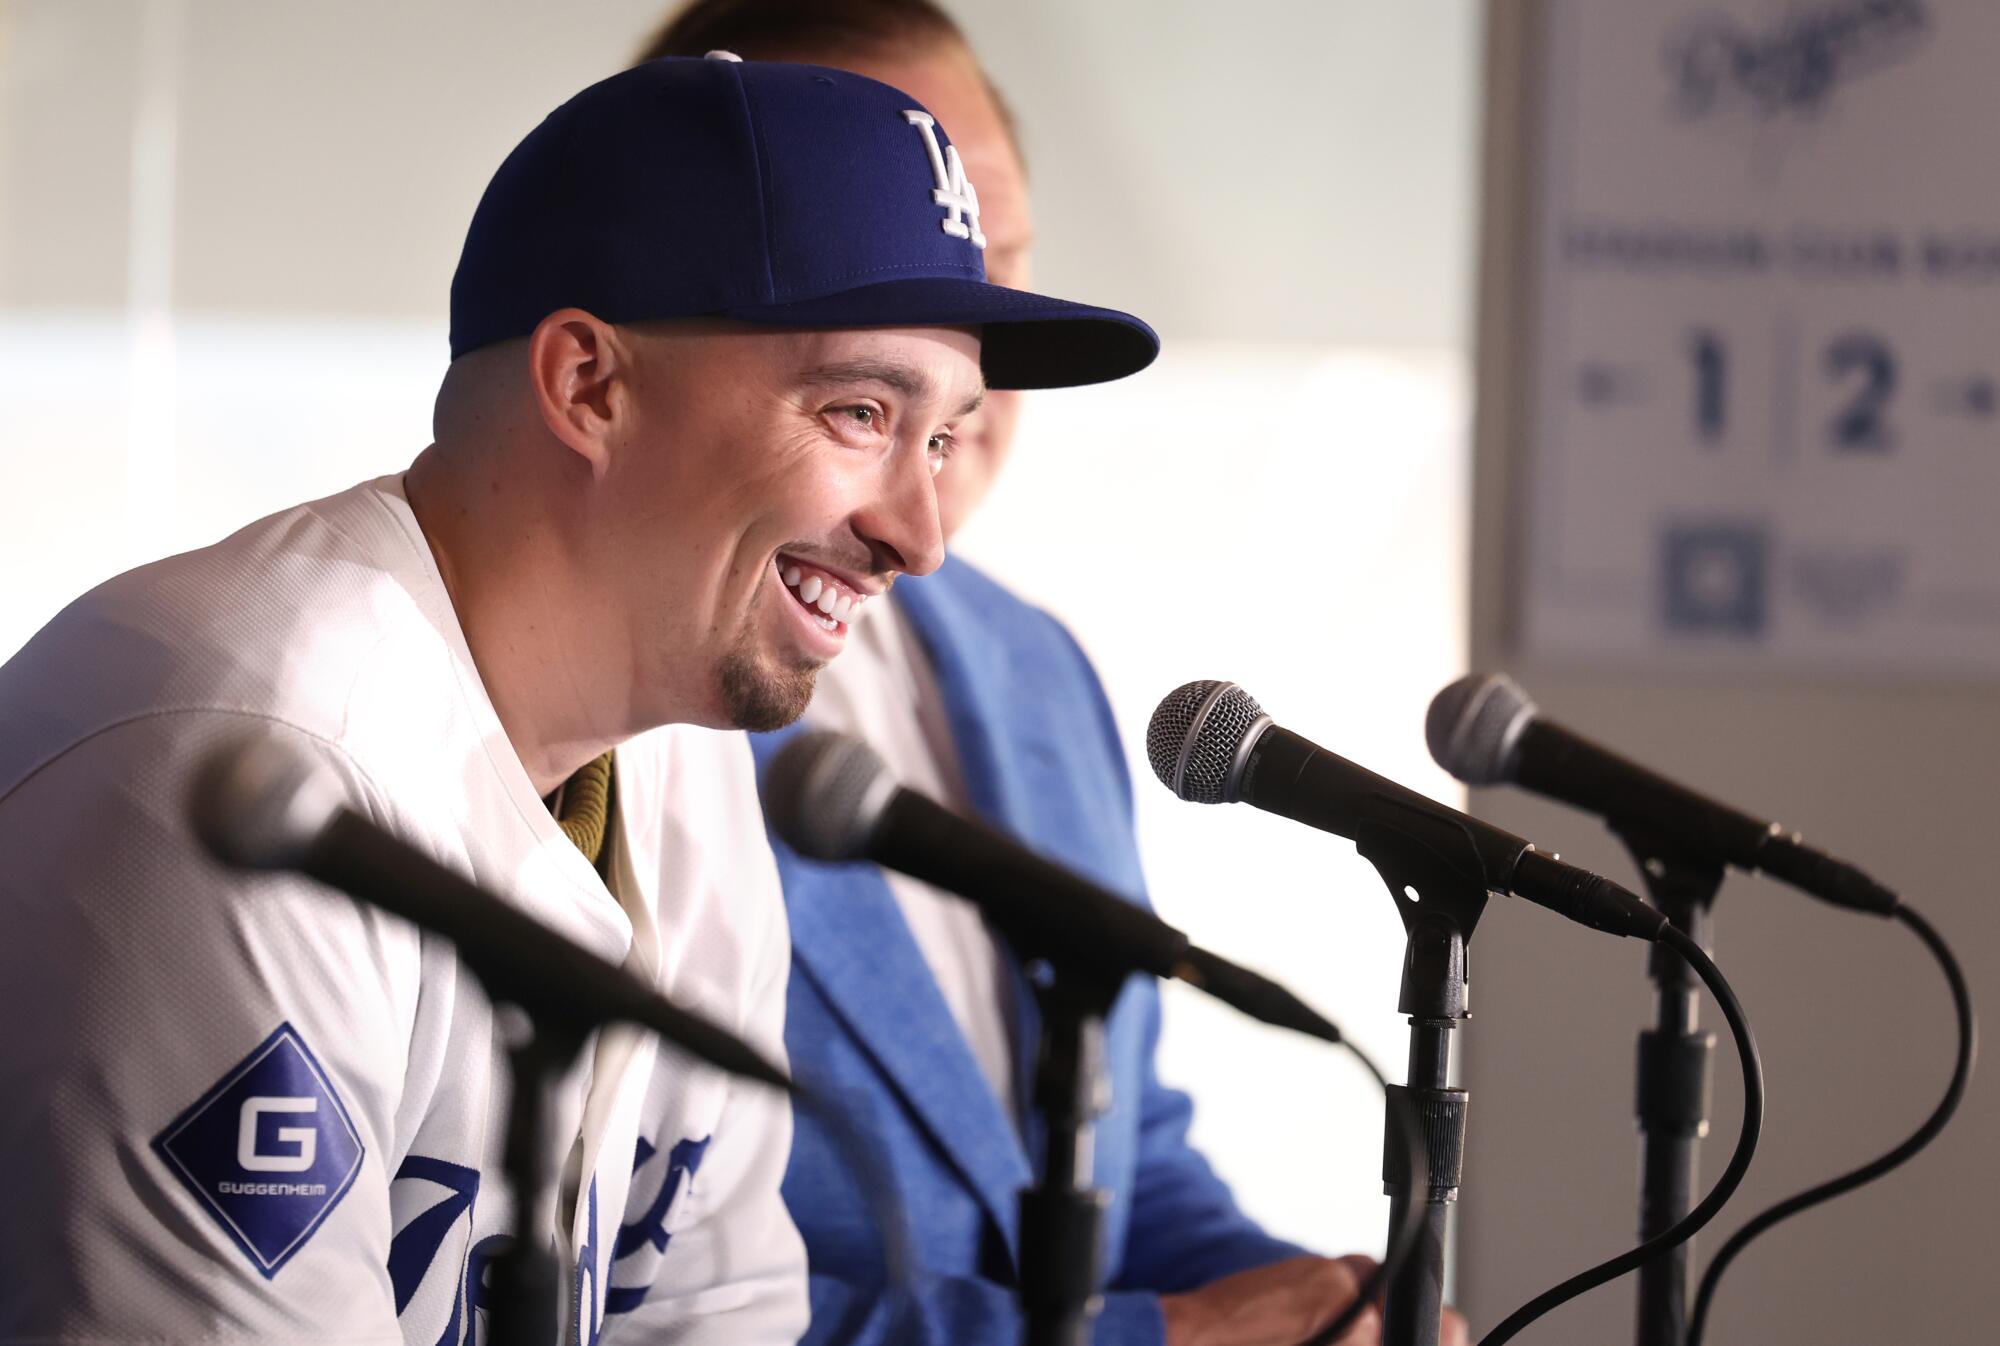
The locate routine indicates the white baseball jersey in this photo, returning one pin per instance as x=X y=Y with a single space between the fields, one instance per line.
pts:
x=246 y=1108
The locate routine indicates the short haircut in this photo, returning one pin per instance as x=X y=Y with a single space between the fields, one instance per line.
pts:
x=777 y=30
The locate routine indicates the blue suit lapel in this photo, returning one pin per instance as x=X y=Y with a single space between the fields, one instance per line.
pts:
x=984 y=692
x=850 y=939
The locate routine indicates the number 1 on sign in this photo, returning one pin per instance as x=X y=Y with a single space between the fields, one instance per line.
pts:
x=1711 y=386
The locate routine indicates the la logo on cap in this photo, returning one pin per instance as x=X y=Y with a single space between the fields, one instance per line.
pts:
x=954 y=191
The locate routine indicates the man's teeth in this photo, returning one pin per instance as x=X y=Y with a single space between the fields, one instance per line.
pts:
x=835 y=605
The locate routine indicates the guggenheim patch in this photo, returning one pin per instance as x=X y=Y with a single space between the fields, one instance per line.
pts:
x=268 y=1151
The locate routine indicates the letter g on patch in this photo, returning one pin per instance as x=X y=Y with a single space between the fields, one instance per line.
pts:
x=306 y=1138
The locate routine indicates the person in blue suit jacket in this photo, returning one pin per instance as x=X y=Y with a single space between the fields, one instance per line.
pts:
x=904 y=1011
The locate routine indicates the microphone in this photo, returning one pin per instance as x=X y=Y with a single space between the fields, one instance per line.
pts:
x=1211 y=743
x=1485 y=730
x=831 y=797
x=261 y=804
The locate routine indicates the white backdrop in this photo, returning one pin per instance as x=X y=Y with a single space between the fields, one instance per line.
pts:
x=1766 y=400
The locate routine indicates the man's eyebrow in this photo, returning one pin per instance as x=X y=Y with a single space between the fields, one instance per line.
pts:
x=911 y=383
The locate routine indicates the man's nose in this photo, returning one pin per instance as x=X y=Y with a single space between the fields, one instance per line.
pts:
x=901 y=521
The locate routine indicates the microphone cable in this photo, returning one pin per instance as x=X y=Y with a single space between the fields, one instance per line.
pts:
x=1725 y=1186
x=1968 y=1046
x=1404 y=1237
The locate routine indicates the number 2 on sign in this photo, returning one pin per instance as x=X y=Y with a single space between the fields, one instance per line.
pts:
x=1862 y=425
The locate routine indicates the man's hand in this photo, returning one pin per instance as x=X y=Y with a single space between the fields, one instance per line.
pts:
x=1282 y=1305
x=1278 y=1305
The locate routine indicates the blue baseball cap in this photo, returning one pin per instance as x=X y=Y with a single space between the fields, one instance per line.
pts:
x=792 y=195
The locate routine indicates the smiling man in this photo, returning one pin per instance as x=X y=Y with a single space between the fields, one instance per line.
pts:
x=713 y=331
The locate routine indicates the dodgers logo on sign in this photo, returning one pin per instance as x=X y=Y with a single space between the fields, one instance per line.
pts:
x=953 y=191
x=268 y=1151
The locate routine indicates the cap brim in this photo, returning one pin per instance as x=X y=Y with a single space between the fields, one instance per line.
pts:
x=1028 y=340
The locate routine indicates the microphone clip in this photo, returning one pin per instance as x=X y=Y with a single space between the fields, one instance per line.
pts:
x=1684 y=890
x=1677 y=883
x=1433 y=869
x=1437 y=881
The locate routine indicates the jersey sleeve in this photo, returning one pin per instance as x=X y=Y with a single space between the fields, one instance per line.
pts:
x=201 y=1068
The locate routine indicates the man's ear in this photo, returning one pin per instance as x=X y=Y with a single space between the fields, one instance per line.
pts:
x=580 y=369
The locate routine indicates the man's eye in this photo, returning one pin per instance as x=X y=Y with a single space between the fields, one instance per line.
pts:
x=939 y=448
x=863 y=416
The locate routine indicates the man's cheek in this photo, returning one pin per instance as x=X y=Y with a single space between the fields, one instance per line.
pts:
x=820 y=503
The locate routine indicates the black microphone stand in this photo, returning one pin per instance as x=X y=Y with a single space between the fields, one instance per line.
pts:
x=1436 y=878
x=1674 y=1080
x=526 y=1280
x=1062 y=1216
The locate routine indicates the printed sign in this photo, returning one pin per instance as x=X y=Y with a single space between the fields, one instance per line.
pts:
x=1764 y=420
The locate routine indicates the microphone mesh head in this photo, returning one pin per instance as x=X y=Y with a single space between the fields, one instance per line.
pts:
x=824 y=793
x=259 y=803
x=1195 y=739
x=1474 y=726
